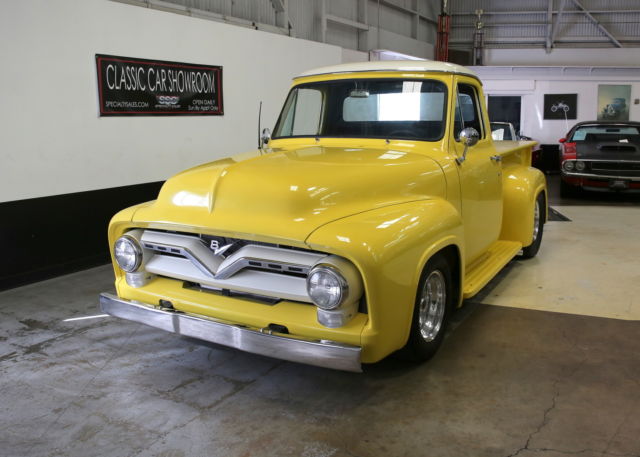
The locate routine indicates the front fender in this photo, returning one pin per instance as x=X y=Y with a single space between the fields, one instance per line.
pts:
x=521 y=186
x=390 y=247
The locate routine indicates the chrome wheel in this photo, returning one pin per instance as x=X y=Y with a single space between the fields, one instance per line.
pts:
x=433 y=301
x=536 y=221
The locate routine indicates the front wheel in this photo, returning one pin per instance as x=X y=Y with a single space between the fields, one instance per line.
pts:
x=538 y=225
x=433 y=306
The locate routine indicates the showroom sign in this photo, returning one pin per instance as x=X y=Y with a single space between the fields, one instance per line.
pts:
x=139 y=87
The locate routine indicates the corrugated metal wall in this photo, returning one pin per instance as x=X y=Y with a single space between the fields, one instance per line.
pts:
x=253 y=10
x=352 y=24
x=413 y=19
x=528 y=23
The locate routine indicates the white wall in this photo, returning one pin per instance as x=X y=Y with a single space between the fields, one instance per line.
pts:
x=533 y=82
x=349 y=55
x=52 y=140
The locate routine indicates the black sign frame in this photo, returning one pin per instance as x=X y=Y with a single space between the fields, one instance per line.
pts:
x=146 y=87
x=560 y=106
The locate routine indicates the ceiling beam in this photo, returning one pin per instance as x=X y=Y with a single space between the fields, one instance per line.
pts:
x=541 y=40
x=555 y=27
x=602 y=28
x=541 y=12
x=549 y=25
x=347 y=22
x=278 y=5
x=281 y=8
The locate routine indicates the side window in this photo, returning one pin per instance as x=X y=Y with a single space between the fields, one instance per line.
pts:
x=304 y=118
x=467 y=112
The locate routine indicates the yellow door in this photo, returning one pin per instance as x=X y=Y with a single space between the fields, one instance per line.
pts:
x=480 y=173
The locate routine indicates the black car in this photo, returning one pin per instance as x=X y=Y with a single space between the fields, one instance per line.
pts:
x=601 y=156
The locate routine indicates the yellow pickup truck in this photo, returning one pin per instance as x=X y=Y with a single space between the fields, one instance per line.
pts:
x=378 y=204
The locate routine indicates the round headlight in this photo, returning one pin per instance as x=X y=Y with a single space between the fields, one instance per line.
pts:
x=580 y=165
x=568 y=165
x=326 y=287
x=128 y=253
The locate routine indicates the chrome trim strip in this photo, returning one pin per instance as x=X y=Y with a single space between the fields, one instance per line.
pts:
x=328 y=354
x=590 y=175
x=246 y=262
x=273 y=259
x=606 y=160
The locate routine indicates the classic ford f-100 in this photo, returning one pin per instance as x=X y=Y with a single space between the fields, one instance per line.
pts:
x=377 y=205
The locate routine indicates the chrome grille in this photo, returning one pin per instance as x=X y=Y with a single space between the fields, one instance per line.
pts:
x=628 y=169
x=241 y=266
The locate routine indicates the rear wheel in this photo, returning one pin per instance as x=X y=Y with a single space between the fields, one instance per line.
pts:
x=433 y=306
x=538 y=225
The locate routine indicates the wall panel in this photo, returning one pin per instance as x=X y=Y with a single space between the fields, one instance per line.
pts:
x=52 y=132
x=65 y=171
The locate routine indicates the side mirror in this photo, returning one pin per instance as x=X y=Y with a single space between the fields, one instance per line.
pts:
x=469 y=137
x=562 y=140
x=266 y=136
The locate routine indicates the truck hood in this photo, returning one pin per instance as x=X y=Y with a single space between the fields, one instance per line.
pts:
x=286 y=195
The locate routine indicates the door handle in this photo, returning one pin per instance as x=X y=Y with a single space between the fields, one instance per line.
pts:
x=496 y=158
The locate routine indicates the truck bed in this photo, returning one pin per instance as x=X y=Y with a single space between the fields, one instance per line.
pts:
x=515 y=151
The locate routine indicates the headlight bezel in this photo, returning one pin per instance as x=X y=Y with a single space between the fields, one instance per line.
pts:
x=342 y=284
x=569 y=165
x=137 y=248
x=580 y=165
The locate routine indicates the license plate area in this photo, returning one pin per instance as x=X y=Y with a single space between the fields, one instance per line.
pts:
x=618 y=184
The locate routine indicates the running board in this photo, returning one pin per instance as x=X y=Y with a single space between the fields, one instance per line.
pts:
x=484 y=269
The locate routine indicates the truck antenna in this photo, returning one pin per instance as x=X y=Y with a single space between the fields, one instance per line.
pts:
x=259 y=117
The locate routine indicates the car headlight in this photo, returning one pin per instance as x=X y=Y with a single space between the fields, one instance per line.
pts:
x=128 y=253
x=327 y=288
x=580 y=165
x=568 y=165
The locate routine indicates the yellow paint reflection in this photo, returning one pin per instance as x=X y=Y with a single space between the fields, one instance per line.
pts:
x=186 y=198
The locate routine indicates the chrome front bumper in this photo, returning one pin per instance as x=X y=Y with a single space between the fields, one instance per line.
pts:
x=573 y=174
x=328 y=354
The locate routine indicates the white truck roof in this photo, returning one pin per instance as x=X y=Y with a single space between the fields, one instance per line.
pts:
x=391 y=65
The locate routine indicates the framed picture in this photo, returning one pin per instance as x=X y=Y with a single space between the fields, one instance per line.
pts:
x=613 y=102
x=560 y=106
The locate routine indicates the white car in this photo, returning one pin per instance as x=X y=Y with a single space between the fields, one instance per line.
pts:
x=503 y=131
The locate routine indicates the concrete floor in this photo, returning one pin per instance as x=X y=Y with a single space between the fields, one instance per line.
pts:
x=508 y=380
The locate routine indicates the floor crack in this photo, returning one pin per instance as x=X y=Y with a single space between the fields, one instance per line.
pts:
x=543 y=424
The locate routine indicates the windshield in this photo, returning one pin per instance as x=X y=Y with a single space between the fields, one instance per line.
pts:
x=365 y=108
x=594 y=133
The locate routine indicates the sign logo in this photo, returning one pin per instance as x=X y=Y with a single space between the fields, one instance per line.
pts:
x=167 y=99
